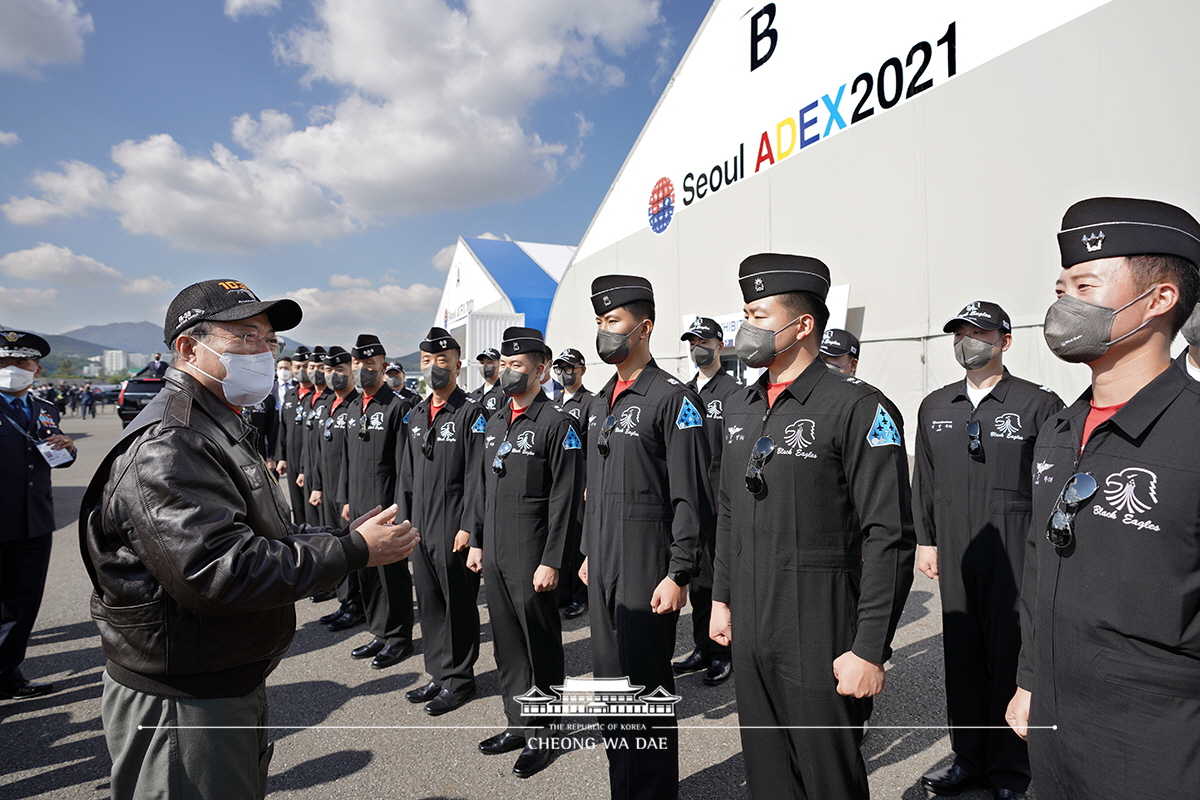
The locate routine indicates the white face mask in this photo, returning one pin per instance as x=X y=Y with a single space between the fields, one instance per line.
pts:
x=284 y=375
x=248 y=379
x=15 y=379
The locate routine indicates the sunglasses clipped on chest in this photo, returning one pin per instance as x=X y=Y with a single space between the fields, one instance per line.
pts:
x=1078 y=490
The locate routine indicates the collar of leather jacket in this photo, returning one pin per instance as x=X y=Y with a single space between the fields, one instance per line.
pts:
x=183 y=393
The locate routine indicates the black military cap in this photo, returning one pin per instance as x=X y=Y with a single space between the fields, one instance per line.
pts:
x=336 y=355
x=225 y=301
x=521 y=340
x=703 y=328
x=837 y=342
x=317 y=354
x=614 y=291
x=981 y=314
x=439 y=339
x=367 y=345
x=393 y=366
x=768 y=274
x=19 y=344
x=1104 y=227
x=491 y=354
x=301 y=354
x=571 y=357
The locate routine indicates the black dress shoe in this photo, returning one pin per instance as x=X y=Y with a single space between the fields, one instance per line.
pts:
x=348 y=620
x=321 y=597
x=369 y=649
x=391 y=655
x=695 y=661
x=574 y=610
x=718 y=672
x=25 y=689
x=532 y=761
x=446 y=700
x=1006 y=794
x=951 y=780
x=424 y=694
x=501 y=743
x=331 y=616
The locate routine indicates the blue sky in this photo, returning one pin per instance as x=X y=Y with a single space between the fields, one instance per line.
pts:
x=333 y=150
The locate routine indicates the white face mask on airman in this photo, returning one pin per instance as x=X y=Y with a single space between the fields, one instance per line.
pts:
x=15 y=379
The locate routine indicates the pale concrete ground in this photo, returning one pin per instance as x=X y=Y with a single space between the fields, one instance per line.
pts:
x=54 y=745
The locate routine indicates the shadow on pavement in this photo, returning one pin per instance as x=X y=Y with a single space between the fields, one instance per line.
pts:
x=324 y=769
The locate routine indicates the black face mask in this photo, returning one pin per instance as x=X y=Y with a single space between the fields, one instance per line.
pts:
x=613 y=348
x=365 y=378
x=513 y=383
x=436 y=377
x=318 y=377
x=488 y=370
x=395 y=381
x=566 y=377
x=703 y=356
x=338 y=381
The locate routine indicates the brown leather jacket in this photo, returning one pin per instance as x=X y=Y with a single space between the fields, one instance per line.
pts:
x=194 y=561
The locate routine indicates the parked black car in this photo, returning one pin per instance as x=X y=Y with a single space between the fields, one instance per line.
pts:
x=135 y=394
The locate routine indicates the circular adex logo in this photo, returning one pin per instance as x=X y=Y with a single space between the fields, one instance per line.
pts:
x=662 y=205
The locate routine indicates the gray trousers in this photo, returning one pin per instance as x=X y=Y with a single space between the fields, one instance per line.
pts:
x=159 y=751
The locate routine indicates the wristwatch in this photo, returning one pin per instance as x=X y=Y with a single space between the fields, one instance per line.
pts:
x=681 y=577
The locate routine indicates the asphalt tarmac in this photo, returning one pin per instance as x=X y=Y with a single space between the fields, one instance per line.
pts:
x=342 y=729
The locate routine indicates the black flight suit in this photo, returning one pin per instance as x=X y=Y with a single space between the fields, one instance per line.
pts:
x=527 y=513
x=713 y=395
x=27 y=514
x=374 y=452
x=437 y=494
x=289 y=447
x=571 y=588
x=332 y=449
x=649 y=505
x=1110 y=625
x=316 y=407
x=976 y=511
x=491 y=399
x=818 y=564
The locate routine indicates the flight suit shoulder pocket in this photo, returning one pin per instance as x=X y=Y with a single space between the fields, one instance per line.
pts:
x=1170 y=675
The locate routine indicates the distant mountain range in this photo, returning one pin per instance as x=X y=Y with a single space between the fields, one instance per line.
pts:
x=132 y=337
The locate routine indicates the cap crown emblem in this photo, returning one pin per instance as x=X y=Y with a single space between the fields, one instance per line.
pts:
x=758 y=284
x=607 y=302
x=1094 y=241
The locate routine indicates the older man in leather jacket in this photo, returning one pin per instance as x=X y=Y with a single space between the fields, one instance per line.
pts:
x=196 y=565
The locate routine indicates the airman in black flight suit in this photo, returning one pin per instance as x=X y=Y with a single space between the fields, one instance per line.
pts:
x=972 y=488
x=531 y=478
x=649 y=504
x=438 y=482
x=315 y=407
x=706 y=342
x=289 y=449
x=375 y=441
x=814 y=541
x=489 y=396
x=1110 y=621
x=839 y=349
x=394 y=375
x=1189 y=359
x=569 y=369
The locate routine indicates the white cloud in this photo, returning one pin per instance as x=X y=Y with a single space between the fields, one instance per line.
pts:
x=236 y=8
x=339 y=315
x=151 y=284
x=78 y=188
x=433 y=117
x=46 y=262
x=9 y=139
x=37 y=33
x=347 y=282
x=443 y=258
x=22 y=301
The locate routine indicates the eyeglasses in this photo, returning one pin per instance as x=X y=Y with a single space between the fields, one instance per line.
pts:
x=1080 y=488
x=427 y=443
x=974 y=446
x=362 y=428
x=251 y=339
x=328 y=432
x=758 y=457
x=605 y=432
x=501 y=454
